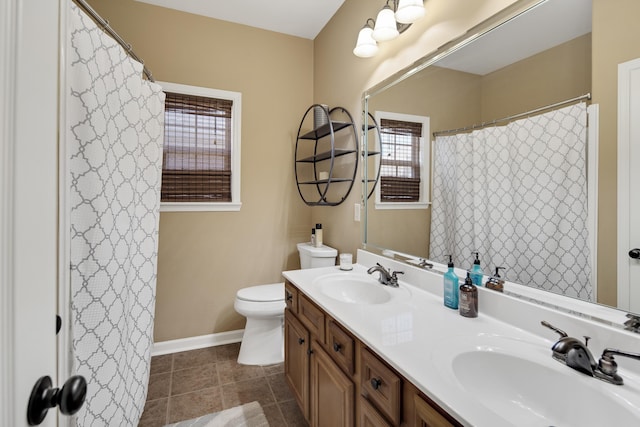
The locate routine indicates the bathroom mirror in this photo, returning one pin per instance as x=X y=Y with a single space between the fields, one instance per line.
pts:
x=532 y=54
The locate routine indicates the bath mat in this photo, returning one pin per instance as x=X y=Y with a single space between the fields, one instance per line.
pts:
x=247 y=415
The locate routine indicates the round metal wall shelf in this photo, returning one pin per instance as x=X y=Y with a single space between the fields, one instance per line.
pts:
x=326 y=157
x=373 y=153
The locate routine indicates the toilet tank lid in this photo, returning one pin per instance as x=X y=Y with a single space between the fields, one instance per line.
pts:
x=262 y=293
x=321 y=252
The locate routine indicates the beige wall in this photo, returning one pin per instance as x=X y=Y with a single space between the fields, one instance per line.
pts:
x=205 y=257
x=615 y=40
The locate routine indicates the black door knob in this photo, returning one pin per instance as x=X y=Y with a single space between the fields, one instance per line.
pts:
x=635 y=253
x=69 y=398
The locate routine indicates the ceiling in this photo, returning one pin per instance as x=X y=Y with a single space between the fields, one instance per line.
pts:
x=301 y=18
x=523 y=37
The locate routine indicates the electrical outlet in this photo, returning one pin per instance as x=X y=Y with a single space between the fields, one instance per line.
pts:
x=356 y=212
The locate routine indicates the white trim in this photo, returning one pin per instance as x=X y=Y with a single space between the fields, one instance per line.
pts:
x=236 y=126
x=408 y=205
x=8 y=36
x=65 y=346
x=593 y=114
x=199 y=207
x=425 y=164
x=194 y=343
x=625 y=71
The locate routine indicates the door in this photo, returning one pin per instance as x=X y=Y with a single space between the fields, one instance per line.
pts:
x=628 y=179
x=296 y=360
x=332 y=394
x=28 y=202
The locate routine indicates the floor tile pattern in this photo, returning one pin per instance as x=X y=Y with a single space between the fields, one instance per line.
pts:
x=194 y=383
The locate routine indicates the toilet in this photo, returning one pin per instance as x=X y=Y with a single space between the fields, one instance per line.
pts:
x=263 y=306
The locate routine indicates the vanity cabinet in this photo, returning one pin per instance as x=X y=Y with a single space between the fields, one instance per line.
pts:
x=338 y=381
x=318 y=366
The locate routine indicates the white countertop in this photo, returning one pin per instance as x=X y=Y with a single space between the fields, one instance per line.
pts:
x=417 y=335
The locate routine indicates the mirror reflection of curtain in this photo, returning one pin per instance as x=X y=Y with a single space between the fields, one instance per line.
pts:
x=114 y=136
x=518 y=195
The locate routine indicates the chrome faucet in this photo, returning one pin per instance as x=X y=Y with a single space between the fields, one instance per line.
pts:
x=386 y=277
x=572 y=352
x=423 y=263
x=576 y=355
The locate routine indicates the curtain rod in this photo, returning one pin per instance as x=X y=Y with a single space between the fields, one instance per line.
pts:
x=105 y=26
x=516 y=116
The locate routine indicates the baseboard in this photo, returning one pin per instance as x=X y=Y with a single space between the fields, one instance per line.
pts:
x=194 y=343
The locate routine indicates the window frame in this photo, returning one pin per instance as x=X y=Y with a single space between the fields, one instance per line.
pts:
x=425 y=161
x=236 y=119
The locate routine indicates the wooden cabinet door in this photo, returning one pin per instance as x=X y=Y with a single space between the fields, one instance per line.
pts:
x=332 y=392
x=296 y=360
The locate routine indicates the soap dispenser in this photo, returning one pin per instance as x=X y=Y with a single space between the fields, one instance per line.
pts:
x=451 y=286
x=476 y=271
x=468 y=298
x=495 y=282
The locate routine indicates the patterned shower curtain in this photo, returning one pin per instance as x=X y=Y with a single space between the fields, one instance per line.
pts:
x=114 y=134
x=518 y=195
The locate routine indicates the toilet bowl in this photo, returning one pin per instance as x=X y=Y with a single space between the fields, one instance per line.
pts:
x=263 y=306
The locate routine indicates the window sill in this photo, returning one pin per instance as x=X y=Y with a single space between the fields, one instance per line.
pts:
x=199 y=207
x=400 y=205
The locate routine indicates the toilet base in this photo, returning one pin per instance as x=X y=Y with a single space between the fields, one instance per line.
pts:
x=262 y=342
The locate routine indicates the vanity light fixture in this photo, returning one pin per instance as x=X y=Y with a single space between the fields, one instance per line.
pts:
x=394 y=18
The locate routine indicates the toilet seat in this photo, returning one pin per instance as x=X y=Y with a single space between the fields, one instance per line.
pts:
x=262 y=293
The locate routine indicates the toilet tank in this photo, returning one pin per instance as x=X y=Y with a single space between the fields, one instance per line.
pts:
x=312 y=257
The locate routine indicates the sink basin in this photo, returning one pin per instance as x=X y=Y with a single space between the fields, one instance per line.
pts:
x=356 y=288
x=515 y=380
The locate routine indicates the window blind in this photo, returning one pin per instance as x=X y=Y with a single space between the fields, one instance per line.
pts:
x=400 y=168
x=196 y=163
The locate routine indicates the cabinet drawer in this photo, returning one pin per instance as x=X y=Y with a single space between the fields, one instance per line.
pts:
x=370 y=417
x=426 y=415
x=291 y=297
x=341 y=346
x=381 y=386
x=311 y=317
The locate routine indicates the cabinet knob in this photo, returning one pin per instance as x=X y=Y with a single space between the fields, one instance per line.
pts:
x=336 y=347
x=300 y=341
x=289 y=297
x=634 y=253
x=376 y=383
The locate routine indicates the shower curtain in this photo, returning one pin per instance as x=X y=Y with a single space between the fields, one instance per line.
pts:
x=517 y=194
x=114 y=136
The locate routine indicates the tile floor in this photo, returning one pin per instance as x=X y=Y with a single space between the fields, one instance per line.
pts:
x=198 y=382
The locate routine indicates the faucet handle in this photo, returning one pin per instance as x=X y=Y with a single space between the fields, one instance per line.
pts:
x=562 y=333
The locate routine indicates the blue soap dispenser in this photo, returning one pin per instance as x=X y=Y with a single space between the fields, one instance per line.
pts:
x=476 y=271
x=451 y=288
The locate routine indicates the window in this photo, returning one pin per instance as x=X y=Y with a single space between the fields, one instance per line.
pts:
x=201 y=153
x=404 y=171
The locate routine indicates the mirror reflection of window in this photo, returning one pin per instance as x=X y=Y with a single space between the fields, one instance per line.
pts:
x=404 y=175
